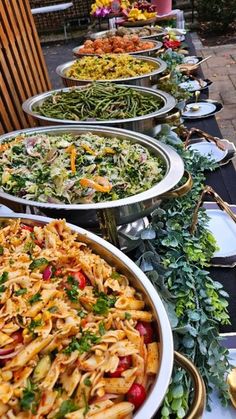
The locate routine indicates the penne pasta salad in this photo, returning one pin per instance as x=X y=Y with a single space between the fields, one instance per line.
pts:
x=76 y=339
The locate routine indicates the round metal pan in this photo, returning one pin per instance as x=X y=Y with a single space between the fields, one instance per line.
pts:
x=140 y=282
x=124 y=210
x=105 y=34
x=143 y=124
x=156 y=47
x=144 y=80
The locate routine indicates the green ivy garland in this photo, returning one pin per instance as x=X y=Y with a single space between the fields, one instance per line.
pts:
x=175 y=261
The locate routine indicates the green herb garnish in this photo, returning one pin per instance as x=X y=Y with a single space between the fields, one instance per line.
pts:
x=29 y=400
x=2 y=288
x=1 y=250
x=35 y=298
x=83 y=344
x=87 y=382
x=101 y=329
x=29 y=246
x=73 y=293
x=53 y=309
x=66 y=407
x=33 y=324
x=82 y=314
x=21 y=291
x=40 y=263
x=103 y=303
x=127 y=316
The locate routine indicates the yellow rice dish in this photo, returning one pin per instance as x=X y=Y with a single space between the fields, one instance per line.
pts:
x=109 y=67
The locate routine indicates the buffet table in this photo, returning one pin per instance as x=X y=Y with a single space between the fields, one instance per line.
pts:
x=223 y=181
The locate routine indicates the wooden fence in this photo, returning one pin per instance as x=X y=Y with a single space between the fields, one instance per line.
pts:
x=23 y=72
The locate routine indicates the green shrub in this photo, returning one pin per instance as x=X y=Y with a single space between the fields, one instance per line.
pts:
x=220 y=13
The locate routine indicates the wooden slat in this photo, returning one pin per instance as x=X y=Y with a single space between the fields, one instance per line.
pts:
x=23 y=71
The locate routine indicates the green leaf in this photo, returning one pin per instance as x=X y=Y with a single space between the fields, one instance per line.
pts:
x=1 y=250
x=35 y=298
x=178 y=391
x=21 y=291
x=66 y=407
x=40 y=264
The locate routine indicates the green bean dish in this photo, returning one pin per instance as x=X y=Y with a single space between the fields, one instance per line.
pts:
x=98 y=102
x=76 y=169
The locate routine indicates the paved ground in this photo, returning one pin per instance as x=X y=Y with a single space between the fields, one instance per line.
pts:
x=221 y=69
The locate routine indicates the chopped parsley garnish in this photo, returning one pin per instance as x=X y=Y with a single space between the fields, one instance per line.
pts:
x=3 y=277
x=2 y=288
x=73 y=293
x=29 y=246
x=21 y=291
x=127 y=316
x=83 y=344
x=29 y=400
x=66 y=407
x=35 y=298
x=40 y=263
x=1 y=250
x=33 y=324
x=87 y=382
x=103 y=303
x=82 y=314
x=101 y=329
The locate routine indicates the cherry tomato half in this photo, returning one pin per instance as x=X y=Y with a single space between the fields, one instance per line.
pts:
x=136 y=395
x=25 y=227
x=80 y=277
x=125 y=363
x=145 y=330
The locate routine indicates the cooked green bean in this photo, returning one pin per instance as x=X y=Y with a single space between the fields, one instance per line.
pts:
x=99 y=102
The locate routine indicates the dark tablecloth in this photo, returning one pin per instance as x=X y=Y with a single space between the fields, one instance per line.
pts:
x=223 y=180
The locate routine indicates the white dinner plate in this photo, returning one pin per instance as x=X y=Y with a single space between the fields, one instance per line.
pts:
x=223 y=228
x=192 y=85
x=217 y=410
x=209 y=150
x=205 y=108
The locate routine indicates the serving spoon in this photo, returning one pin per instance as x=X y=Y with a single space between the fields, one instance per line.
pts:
x=195 y=107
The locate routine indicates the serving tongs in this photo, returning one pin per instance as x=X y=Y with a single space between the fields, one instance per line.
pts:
x=220 y=202
x=206 y=136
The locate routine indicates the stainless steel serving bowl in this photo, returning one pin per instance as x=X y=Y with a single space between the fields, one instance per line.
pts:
x=145 y=80
x=104 y=34
x=156 y=47
x=124 y=210
x=140 y=282
x=143 y=124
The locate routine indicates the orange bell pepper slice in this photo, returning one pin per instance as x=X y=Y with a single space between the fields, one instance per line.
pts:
x=72 y=150
x=99 y=184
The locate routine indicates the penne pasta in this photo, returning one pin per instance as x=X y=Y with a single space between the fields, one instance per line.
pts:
x=153 y=359
x=70 y=325
x=117 y=411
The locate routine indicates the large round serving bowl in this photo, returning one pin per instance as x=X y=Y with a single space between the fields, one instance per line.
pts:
x=140 y=282
x=129 y=31
x=124 y=210
x=144 y=124
x=157 y=45
x=145 y=80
